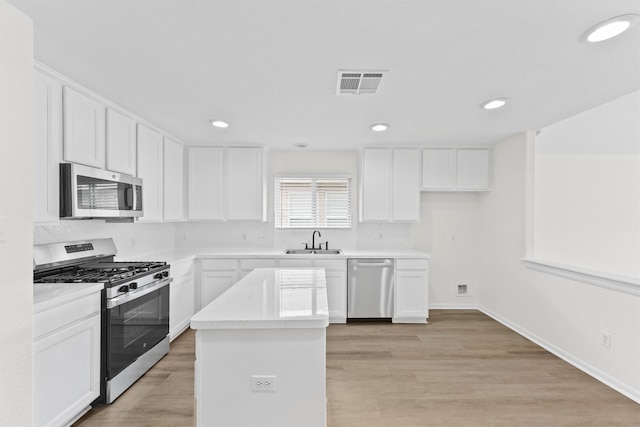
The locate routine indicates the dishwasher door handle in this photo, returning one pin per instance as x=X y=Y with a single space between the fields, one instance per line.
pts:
x=372 y=264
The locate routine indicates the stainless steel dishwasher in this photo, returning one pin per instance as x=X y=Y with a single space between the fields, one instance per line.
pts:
x=370 y=289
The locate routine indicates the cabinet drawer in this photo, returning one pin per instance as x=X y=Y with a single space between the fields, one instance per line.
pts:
x=412 y=264
x=250 y=264
x=295 y=263
x=182 y=268
x=219 y=264
x=58 y=316
x=335 y=264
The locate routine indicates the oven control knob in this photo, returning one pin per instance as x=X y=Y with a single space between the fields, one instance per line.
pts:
x=124 y=288
x=157 y=276
x=133 y=286
x=165 y=274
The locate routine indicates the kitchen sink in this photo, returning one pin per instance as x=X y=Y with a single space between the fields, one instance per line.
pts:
x=312 y=251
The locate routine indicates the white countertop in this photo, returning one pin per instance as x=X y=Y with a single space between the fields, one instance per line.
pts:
x=179 y=255
x=46 y=295
x=272 y=298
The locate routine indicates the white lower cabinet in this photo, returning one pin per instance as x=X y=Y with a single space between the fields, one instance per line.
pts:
x=181 y=297
x=66 y=360
x=336 y=278
x=411 y=291
x=336 y=275
x=216 y=276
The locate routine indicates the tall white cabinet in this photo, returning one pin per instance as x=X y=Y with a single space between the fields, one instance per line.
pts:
x=150 y=162
x=173 y=181
x=390 y=187
x=226 y=183
x=47 y=147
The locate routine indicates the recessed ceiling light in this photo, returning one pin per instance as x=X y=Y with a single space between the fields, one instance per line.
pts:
x=379 y=127
x=219 y=123
x=610 y=28
x=300 y=145
x=495 y=103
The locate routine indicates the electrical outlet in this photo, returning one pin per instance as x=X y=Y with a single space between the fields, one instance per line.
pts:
x=133 y=242
x=605 y=339
x=263 y=383
x=462 y=290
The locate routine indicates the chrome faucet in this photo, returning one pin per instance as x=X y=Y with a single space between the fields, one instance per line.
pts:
x=313 y=239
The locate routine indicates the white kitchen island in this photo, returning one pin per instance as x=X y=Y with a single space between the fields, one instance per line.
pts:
x=260 y=351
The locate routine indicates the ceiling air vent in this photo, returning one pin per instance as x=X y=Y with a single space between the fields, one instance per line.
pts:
x=358 y=82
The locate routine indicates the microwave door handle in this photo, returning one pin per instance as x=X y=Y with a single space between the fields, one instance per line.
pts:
x=129 y=197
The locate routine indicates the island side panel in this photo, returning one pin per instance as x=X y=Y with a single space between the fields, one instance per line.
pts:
x=227 y=359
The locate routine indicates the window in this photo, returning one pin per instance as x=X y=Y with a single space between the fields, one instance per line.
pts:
x=313 y=202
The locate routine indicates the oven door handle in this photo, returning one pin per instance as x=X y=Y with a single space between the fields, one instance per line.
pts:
x=132 y=296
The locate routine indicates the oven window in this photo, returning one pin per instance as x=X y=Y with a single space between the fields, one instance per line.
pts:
x=135 y=327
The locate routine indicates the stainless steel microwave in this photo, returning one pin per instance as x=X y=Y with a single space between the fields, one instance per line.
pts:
x=87 y=192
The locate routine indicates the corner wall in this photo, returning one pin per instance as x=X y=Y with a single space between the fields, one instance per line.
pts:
x=564 y=316
x=16 y=213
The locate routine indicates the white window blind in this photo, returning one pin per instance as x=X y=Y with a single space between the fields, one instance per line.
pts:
x=313 y=202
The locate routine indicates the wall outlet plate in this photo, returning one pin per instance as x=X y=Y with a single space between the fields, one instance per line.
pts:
x=263 y=383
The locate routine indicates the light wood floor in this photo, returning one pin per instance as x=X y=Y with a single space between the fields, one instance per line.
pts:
x=462 y=369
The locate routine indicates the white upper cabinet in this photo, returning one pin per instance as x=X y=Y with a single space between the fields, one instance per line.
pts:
x=84 y=129
x=205 y=183
x=150 y=169
x=376 y=185
x=406 y=185
x=47 y=148
x=456 y=169
x=121 y=143
x=225 y=183
x=473 y=169
x=390 y=185
x=173 y=181
x=438 y=169
x=244 y=184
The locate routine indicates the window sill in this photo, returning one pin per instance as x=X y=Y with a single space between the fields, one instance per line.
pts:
x=624 y=284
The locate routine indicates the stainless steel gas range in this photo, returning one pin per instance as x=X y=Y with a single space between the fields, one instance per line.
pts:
x=135 y=306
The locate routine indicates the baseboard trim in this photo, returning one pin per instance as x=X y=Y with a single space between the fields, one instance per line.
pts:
x=446 y=306
x=604 y=378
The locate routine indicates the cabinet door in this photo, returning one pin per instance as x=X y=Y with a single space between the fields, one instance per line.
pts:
x=66 y=372
x=244 y=184
x=83 y=129
x=473 y=169
x=376 y=185
x=406 y=185
x=205 y=183
x=47 y=149
x=411 y=297
x=337 y=295
x=121 y=143
x=214 y=283
x=173 y=181
x=150 y=170
x=181 y=305
x=438 y=169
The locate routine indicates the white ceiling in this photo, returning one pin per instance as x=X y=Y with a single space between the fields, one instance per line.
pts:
x=270 y=67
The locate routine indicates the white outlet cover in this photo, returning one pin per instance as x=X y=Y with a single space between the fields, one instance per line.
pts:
x=263 y=383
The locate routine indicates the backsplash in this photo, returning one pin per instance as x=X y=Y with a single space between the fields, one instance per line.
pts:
x=263 y=235
x=130 y=239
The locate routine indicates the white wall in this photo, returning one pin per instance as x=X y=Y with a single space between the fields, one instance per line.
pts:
x=16 y=207
x=587 y=189
x=565 y=316
x=448 y=231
